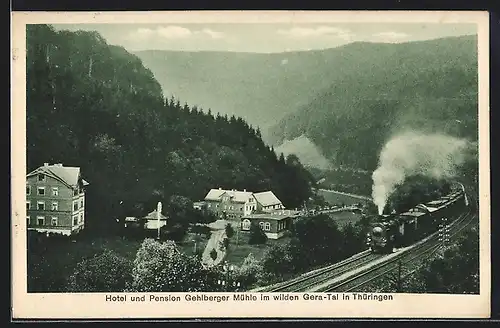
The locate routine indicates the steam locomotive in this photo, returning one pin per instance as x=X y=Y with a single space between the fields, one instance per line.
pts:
x=392 y=231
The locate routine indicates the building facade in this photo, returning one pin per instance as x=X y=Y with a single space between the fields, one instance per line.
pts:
x=55 y=199
x=274 y=224
x=234 y=204
x=152 y=222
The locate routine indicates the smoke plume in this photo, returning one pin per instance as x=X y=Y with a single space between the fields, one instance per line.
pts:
x=412 y=153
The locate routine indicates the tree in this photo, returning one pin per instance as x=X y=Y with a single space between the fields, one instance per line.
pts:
x=248 y=273
x=161 y=267
x=105 y=272
x=213 y=254
x=257 y=236
x=321 y=237
x=278 y=261
x=229 y=230
x=226 y=242
x=140 y=147
x=456 y=270
x=353 y=240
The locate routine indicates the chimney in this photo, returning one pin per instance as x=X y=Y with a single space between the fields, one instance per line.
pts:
x=244 y=190
x=220 y=188
x=45 y=164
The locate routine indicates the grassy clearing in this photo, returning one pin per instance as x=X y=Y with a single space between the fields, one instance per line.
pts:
x=336 y=199
x=345 y=217
x=239 y=248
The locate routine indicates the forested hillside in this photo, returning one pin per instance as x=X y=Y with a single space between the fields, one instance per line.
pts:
x=380 y=89
x=94 y=105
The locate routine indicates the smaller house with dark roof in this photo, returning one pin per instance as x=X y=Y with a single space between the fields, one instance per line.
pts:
x=274 y=224
x=153 y=222
x=55 y=199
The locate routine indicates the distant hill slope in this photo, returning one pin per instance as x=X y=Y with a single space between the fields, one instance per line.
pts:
x=261 y=88
x=378 y=89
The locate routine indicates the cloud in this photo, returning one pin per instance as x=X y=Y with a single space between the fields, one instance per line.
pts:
x=173 y=32
x=391 y=36
x=305 y=32
x=212 y=33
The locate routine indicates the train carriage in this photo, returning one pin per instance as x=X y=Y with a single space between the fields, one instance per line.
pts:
x=404 y=229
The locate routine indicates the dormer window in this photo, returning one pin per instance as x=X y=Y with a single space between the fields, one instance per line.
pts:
x=41 y=177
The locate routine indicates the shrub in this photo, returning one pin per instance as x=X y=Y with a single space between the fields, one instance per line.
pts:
x=257 y=236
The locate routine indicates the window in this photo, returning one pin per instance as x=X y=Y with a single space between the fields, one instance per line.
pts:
x=41 y=206
x=267 y=226
x=245 y=225
x=261 y=225
x=55 y=206
x=55 y=191
x=41 y=191
x=81 y=218
x=27 y=221
x=81 y=203
x=75 y=206
x=40 y=220
x=28 y=205
x=28 y=190
x=53 y=222
x=41 y=177
x=75 y=220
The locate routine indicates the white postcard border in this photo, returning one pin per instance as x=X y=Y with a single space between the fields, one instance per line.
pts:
x=66 y=305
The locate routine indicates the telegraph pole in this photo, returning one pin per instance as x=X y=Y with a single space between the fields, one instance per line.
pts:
x=399 y=277
x=444 y=232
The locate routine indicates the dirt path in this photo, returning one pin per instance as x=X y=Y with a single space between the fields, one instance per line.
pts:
x=215 y=242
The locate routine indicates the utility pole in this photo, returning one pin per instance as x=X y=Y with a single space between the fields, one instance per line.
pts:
x=399 y=277
x=444 y=232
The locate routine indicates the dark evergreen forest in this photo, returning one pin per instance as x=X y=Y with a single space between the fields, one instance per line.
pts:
x=94 y=105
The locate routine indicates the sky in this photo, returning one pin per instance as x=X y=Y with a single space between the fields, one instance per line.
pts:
x=264 y=38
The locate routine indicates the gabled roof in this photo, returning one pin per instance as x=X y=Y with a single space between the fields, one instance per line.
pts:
x=413 y=214
x=214 y=194
x=66 y=174
x=267 y=198
x=236 y=195
x=239 y=196
x=427 y=208
x=152 y=216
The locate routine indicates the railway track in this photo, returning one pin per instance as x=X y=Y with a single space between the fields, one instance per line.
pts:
x=338 y=274
x=425 y=249
x=304 y=282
